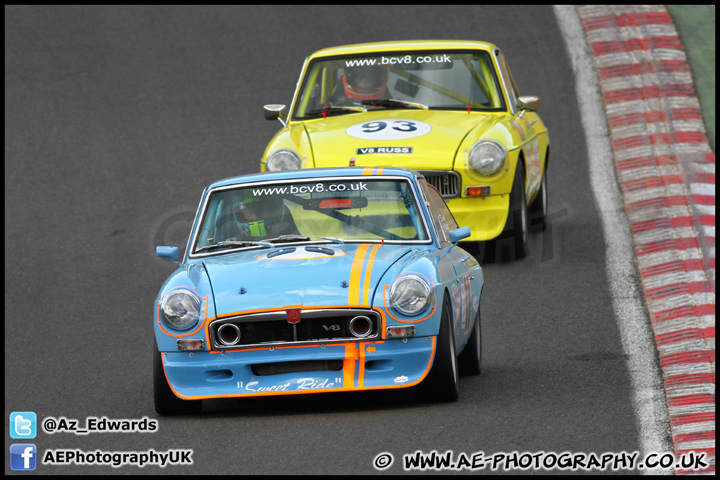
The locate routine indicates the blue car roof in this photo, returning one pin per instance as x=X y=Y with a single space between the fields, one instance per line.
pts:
x=315 y=173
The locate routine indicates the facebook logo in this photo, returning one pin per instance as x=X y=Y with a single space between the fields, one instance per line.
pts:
x=23 y=456
x=23 y=425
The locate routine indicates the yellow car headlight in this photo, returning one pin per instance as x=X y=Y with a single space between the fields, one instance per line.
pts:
x=283 y=159
x=486 y=158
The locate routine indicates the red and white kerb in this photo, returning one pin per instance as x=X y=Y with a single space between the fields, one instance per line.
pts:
x=666 y=172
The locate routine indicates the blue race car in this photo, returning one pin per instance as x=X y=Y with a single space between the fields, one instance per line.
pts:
x=320 y=280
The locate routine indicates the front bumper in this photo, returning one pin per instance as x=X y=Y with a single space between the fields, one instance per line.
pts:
x=486 y=216
x=359 y=366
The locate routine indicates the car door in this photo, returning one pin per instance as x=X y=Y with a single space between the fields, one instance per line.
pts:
x=524 y=122
x=458 y=259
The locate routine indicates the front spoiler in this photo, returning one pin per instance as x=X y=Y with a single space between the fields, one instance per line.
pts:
x=365 y=366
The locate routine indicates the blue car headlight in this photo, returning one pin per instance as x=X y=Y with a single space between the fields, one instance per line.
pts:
x=283 y=159
x=486 y=158
x=181 y=309
x=410 y=294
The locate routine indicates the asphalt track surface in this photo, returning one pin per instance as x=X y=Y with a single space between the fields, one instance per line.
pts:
x=117 y=118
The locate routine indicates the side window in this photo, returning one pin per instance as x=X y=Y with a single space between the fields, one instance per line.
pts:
x=509 y=81
x=442 y=219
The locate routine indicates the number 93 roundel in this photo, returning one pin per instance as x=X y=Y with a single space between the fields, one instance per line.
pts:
x=390 y=129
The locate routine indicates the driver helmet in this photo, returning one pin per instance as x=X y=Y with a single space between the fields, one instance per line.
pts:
x=365 y=82
x=259 y=213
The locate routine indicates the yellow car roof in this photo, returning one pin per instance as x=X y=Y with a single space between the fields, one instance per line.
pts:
x=408 y=45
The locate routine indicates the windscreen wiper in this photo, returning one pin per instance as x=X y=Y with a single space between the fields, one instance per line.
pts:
x=303 y=238
x=336 y=109
x=391 y=102
x=233 y=243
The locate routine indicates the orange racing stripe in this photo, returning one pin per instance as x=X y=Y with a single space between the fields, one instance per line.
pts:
x=349 y=366
x=361 y=367
x=355 y=274
x=368 y=271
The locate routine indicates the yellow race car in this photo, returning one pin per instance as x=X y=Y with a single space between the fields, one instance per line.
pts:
x=447 y=108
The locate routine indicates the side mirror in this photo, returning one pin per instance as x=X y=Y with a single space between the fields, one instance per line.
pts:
x=275 y=112
x=459 y=233
x=168 y=252
x=530 y=103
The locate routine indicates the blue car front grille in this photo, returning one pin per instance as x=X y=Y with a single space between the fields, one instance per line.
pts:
x=273 y=328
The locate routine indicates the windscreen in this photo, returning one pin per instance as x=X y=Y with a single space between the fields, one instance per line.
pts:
x=351 y=210
x=432 y=79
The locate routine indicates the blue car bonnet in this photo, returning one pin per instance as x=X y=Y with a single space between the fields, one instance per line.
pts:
x=299 y=275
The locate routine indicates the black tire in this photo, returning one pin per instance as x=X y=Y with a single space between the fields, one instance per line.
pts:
x=441 y=384
x=538 y=209
x=166 y=402
x=513 y=242
x=470 y=360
